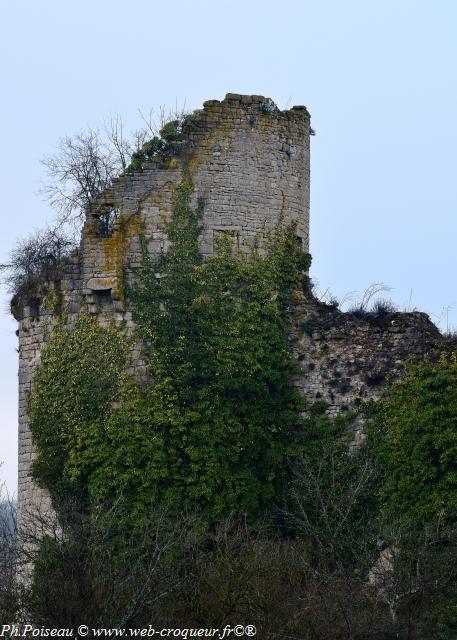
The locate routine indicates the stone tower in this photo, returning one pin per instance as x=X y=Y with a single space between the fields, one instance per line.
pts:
x=247 y=160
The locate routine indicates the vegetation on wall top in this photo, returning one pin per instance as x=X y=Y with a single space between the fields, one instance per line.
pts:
x=37 y=260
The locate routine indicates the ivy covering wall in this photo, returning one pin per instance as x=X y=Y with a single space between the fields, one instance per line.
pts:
x=218 y=422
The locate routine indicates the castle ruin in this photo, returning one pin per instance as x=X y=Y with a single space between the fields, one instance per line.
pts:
x=250 y=163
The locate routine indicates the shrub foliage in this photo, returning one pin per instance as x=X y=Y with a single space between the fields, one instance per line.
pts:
x=416 y=444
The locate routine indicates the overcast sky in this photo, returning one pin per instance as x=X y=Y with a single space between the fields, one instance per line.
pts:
x=379 y=79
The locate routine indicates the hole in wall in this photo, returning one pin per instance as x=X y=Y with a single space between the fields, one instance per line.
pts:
x=102 y=298
x=105 y=221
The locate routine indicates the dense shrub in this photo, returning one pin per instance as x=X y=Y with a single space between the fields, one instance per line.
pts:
x=416 y=443
x=414 y=440
x=177 y=576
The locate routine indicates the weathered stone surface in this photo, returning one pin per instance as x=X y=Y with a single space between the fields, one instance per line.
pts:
x=344 y=358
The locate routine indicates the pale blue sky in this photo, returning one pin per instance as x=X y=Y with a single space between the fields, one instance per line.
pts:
x=379 y=79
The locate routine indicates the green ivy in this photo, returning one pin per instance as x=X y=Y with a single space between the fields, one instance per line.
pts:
x=216 y=344
x=415 y=439
x=170 y=134
x=219 y=421
x=79 y=376
x=146 y=154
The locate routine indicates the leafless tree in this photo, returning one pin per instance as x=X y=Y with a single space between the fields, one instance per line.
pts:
x=86 y=163
x=329 y=505
x=85 y=566
x=36 y=258
x=80 y=169
x=83 y=166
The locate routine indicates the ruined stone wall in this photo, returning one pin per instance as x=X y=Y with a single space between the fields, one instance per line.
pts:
x=344 y=358
x=35 y=320
x=250 y=164
x=247 y=160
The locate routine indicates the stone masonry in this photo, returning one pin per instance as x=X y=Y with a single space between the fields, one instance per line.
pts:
x=249 y=162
